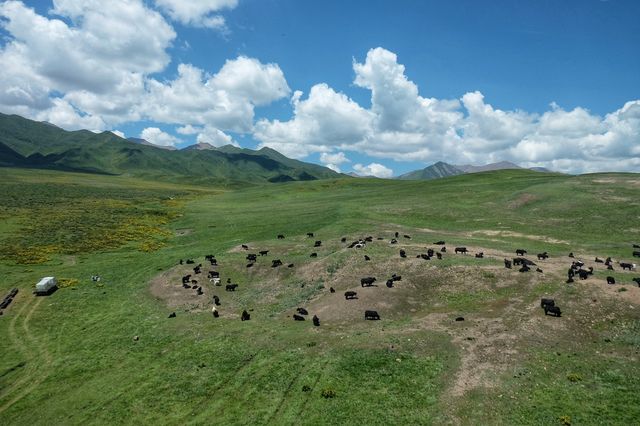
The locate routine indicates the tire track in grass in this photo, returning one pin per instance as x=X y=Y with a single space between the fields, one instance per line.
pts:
x=41 y=368
x=223 y=384
x=20 y=347
x=285 y=395
x=315 y=384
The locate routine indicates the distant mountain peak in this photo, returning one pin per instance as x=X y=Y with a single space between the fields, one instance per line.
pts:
x=147 y=143
x=434 y=171
x=200 y=146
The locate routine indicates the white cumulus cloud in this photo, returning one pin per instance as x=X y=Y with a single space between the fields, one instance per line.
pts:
x=198 y=13
x=402 y=125
x=158 y=137
x=373 y=169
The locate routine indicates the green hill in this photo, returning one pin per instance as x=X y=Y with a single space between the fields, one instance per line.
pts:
x=27 y=143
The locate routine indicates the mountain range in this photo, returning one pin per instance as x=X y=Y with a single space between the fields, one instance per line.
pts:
x=442 y=169
x=33 y=144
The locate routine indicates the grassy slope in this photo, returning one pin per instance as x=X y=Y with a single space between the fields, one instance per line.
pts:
x=49 y=147
x=74 y=353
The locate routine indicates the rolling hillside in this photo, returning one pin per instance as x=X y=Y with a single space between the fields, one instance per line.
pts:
x=27 y=143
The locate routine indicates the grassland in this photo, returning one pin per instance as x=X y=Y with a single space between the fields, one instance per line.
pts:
x=71 y=358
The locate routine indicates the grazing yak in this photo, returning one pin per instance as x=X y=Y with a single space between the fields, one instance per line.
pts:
x=215 y=312
x=507 y=263
x=231 y=287
x=396 y=234
x=443 y=250
x=216 y=300
x=367 y=257
x=538 y=270
x=584 y=274
x=302 y=311
x=430 y=252
x=291 y=265
x=571 y=254
x=186 y=279
x=275 y=263
x=389 y=283
x=367 y=282
x=313 y=255
x=423 y=256
x=350 y=295
x=316 y=321
x=252 y=257
x=520 y=252
x=213 y=274
x=310 y=234
x=408 y=237
x=523 y=261
x=371 y=315
x=245 y=247
x=264 y=252
x=480 y=255
x=542 y=256
x=524 y=268
x=332 y=290
x=439 y=255
x=625 y=265
x=280 y=237
x=343 y=239
x=459 y=318
x=297 y=317
x=249 y=265
x=245 y=316
x=439 y=243
x=403 y=253
x=396 y=277
x=598 y=260
x=636 y=280
x=394 y=241
x=317 y=243
x=552 y=310
x=608 y=261
x=462 y=250
x=636 y=254
x=172 y=315
x=190 y=261
x=611 y=280
x=547 y=302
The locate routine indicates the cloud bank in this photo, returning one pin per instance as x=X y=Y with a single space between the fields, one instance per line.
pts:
x=403 y=125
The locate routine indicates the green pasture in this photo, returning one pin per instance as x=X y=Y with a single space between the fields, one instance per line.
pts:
x=71 y=358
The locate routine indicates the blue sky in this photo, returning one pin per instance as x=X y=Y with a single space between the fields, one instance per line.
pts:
x=540 y=83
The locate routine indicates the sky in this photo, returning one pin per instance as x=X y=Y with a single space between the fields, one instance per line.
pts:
x=367 y=86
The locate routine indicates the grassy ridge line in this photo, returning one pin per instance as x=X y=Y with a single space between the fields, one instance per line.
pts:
x=27 y=143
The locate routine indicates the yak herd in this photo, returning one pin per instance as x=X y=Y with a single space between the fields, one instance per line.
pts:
x=577 y=268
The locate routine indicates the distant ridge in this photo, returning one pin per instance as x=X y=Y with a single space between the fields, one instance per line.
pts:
x=442 y=169
x=147 y=143
x=28 y=143
x=200 y=146
x=502 y=165
x=434 y=171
